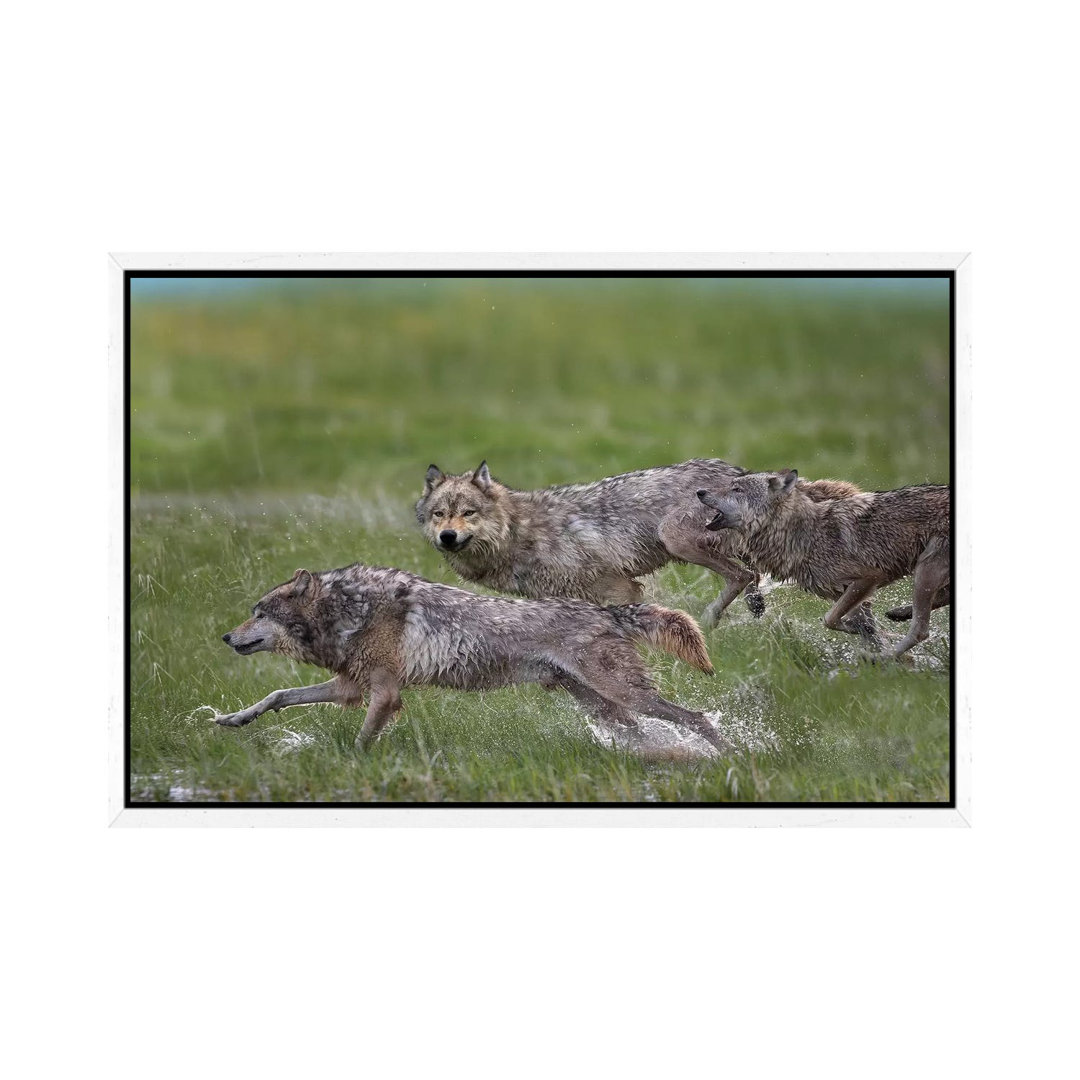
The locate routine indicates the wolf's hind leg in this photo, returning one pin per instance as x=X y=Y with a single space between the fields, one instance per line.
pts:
x=282 y=699
x=618 y=676
x=931 y=574
x=650 y=703
x=942 y=598
x=385 y=703
x=596 y=705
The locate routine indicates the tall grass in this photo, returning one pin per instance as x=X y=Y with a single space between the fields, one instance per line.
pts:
x=290 y=427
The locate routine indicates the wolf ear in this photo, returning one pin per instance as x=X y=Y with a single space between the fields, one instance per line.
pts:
x=305 y=587
x=433 y=479
x=783 y=481
x=482 y=478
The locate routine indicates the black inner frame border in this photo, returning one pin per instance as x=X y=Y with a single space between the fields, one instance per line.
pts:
x=129 y=275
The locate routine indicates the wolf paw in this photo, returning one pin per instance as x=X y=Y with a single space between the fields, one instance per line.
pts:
x=756 y=603
x=235 y=719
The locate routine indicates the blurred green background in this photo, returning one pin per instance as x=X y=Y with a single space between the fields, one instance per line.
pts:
x=283 y=423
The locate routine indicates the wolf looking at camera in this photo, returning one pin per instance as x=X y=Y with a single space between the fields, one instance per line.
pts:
x=380 y=630
x=590 y=541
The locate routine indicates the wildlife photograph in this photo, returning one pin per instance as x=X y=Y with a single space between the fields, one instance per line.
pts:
x=524 y=538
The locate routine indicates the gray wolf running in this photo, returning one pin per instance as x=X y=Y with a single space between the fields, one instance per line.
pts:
x=844 y=549
x=380 y=630
x=589 y=541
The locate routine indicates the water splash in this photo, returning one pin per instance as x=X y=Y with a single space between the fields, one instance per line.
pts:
x=744 y=725
x=654 y=740
x=291 y=741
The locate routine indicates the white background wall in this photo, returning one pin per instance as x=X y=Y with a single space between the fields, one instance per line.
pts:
x=556 y=127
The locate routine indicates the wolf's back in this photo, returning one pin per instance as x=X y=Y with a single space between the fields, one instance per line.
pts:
x=672 y=631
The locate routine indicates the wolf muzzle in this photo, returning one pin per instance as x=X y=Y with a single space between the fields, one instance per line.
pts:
x=450 y=540
x=720 y=521
x=243 y=647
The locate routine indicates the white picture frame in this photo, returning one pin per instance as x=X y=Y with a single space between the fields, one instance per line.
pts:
x=958 y=814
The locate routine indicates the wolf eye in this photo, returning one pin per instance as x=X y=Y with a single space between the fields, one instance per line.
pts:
x=468 y=513
x=437 y=514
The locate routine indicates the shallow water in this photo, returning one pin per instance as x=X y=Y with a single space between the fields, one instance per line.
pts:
x=746 y=727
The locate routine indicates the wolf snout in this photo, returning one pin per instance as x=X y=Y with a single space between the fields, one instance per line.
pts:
x=453 y=541
x=240 y=644
x=706 y=499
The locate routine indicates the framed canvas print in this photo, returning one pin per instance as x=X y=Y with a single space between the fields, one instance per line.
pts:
x=543 y=540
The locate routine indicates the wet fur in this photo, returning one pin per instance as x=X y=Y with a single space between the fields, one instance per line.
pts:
x=589 y=541
x=844 y=549
x=381 y=630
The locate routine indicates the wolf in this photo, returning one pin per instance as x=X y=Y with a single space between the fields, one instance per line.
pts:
x=589 y=541
x=380 y=630
x=844 y=549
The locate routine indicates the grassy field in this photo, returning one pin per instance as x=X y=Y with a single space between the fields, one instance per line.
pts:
x=291 y=426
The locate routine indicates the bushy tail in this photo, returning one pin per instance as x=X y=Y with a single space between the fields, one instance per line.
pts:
x=672 y=631
x=824 y=490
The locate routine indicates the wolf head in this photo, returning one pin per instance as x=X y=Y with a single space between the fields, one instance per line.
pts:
x=464 y=514
x=748 y=500
x=282 y=621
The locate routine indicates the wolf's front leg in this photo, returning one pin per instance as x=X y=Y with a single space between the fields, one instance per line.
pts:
x=735 y=581
x=282 y=699
x=685 y=539
x=854 y=595
x=385 y=702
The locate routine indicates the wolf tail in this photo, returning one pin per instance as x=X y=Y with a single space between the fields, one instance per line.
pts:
x=672 y=631
x=824 y=490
